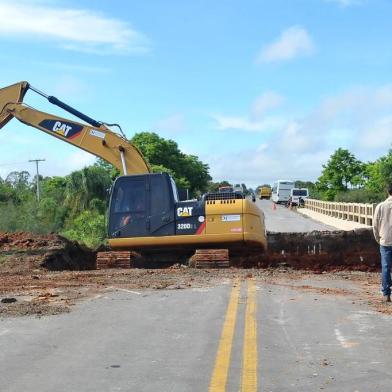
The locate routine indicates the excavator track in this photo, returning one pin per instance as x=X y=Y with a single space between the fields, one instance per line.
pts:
x=202 y=258
x=114 y=259
x=210 y=258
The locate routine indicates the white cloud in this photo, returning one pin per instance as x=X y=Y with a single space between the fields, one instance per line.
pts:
x=293 y=42
x=71 y=28
x=172 y=124
x=78 y=160
x=345 y=3
x=258 y=119
x=267 y=101
x=359 y=119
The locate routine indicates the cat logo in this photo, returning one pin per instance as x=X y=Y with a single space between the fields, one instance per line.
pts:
x=61 y=128
x=64 y=129
x=184 y=211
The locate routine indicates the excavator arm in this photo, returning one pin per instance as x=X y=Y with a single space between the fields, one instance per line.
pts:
x=95 y=138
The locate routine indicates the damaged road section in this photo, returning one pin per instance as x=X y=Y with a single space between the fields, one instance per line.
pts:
x=319 y=251
x=316 y=251
x=26 y=251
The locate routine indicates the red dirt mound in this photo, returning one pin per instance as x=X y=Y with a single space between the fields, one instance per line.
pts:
x=23 y=251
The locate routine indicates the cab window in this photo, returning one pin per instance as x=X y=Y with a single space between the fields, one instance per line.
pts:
x=130 y=196
x=160 y=201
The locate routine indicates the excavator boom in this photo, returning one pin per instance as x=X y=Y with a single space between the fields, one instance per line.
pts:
x=95 y=138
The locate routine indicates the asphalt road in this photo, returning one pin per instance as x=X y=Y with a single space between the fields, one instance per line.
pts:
x=283 y=219
x=280 y=339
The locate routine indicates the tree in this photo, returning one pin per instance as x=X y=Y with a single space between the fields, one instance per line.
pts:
x=187 y=170
x=83 y=186
x=342 y=171
x=379 y=174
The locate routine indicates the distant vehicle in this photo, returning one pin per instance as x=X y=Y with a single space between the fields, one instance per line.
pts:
x=265 y=192
x=225 y=189
x=281 y=191
x=238 y=188
x=298 y=196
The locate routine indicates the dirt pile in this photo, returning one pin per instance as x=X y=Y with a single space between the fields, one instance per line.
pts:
x=23 y=241
x=26 y=251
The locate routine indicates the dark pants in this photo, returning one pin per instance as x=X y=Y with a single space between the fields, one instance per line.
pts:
x=386 y=261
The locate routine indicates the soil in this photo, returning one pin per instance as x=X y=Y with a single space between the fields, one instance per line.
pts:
x=46 y=275
x=22 y=251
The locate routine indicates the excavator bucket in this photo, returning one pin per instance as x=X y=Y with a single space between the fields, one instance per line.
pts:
x=11 y=94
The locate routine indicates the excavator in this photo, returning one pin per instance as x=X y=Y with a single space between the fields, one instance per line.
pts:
x=145 y=215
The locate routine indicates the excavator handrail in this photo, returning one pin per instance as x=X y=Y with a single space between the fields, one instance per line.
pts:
x=95 y=138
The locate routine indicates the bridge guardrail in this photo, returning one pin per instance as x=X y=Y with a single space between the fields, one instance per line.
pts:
x=355 y=212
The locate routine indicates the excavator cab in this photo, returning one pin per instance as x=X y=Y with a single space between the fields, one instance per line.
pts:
x=148 y=206
x=142 y=205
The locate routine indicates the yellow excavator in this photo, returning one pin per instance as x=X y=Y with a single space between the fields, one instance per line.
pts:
x=145 y=214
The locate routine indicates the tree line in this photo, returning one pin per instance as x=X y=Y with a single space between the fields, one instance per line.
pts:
x=344 y=178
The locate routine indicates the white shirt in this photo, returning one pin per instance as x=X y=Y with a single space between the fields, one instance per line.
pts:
x=382 y=222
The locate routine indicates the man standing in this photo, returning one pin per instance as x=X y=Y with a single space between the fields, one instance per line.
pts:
x=382 y=229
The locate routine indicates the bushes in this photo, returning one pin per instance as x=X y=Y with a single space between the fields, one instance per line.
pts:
x=359 y=196
x=89 y=228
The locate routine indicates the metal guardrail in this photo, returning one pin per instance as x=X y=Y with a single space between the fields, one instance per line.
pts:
x=355 y=212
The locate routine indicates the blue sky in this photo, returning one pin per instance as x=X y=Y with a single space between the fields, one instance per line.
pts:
x=258 y=89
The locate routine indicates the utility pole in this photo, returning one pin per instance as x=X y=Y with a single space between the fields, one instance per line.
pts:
x=36 y=164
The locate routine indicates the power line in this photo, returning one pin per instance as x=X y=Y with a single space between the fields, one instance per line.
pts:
x=36 y=163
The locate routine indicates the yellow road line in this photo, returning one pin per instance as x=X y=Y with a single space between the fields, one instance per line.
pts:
x=249 y=364
x=222 y=361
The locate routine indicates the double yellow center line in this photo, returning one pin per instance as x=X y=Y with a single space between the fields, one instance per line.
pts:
x=249 y=361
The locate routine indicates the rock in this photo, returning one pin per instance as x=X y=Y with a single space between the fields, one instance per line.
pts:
x=9 y=300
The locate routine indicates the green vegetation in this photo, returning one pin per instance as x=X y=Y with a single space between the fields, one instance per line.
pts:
x=75 y=205
x=346 y=179
x=165 y=156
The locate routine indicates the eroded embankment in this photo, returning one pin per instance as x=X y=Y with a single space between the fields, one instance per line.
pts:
x=322 y=251
x=26 y=251
x=315 y=251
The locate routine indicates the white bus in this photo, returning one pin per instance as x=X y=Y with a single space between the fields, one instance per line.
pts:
x=281 y=191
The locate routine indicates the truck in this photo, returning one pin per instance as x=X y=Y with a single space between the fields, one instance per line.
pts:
x=265 y=192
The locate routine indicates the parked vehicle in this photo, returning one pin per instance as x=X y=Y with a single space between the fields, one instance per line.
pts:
x=238 y=188
x=265 y=192
x=226 y=189
x=299 y=195
x=281 y=191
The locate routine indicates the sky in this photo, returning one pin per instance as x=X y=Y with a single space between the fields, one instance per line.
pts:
x=258 y=89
